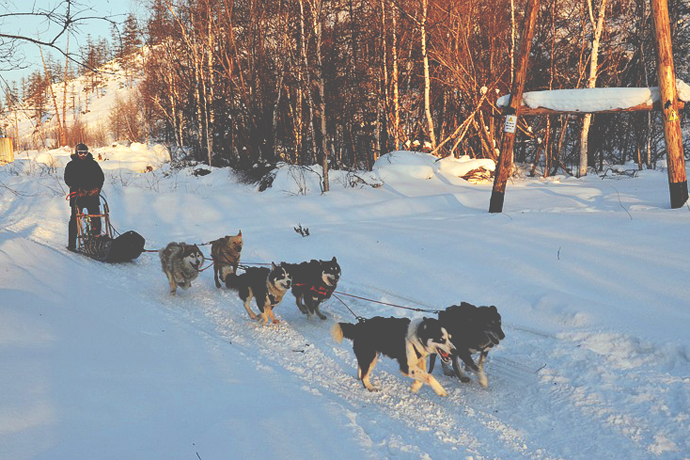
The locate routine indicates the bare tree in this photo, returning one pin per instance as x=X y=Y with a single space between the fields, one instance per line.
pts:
x=59 y=20
x=597 y=29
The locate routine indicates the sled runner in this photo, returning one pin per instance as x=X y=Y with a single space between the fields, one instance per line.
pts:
x=102 y=244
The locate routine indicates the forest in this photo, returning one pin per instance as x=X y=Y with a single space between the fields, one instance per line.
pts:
x=251 y=83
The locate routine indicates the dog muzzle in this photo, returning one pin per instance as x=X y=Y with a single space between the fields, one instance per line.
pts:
x=493 y=337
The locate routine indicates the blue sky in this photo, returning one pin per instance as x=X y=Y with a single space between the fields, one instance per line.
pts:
x=116 y=10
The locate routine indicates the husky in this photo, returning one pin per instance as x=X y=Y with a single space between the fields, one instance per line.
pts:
x=312 y=283
x=225 y=253
x=408 y=342
x=267 y=286
x=181 y=263
x=473 y=330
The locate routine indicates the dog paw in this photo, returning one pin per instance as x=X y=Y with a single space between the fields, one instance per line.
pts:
x=465 y=379
x=442 y=393
x=416 y=386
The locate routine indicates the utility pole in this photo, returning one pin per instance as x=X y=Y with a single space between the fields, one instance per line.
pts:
x=677 y=180
x=505 y=159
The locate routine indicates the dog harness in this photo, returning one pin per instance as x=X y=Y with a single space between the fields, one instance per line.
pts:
x=272 y=299
x=322 y=290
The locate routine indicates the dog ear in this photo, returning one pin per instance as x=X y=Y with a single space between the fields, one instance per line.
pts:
x=240 y=233
x=493 y=308
x=273 y=266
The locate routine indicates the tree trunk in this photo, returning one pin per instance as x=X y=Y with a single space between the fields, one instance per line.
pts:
x=396 y=79
x=382 y=125
x=505 y=162
x=209 y=95
x=61 y=133
x=309 y=98
x=427 y=77
x=677 y=179
x=591 y=82
x=320 y=84
x=64 y=96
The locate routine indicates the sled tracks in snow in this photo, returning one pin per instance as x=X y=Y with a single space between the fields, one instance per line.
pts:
x=536 y=407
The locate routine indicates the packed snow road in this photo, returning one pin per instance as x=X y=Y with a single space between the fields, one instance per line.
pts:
x=99 y=361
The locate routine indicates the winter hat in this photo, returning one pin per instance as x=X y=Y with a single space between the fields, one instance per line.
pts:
x=81 y=147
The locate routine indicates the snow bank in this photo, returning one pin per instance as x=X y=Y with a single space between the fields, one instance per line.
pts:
x=405 y=165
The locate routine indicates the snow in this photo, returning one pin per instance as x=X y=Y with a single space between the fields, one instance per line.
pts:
x=89 y=102
x=589 y=274
x=594 y=99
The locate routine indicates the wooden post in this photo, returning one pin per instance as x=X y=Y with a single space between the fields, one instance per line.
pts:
x=505 y=159
x=677 y=180
x=6 y=151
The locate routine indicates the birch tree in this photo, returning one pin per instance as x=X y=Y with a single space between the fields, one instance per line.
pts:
x=427 y=77
x=598 y=27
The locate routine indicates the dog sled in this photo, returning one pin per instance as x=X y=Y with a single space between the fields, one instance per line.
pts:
x=101 y=243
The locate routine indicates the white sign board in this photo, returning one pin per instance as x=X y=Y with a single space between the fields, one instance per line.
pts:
x=511 y=124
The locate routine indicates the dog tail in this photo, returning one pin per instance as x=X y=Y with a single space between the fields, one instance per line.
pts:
x=340 y=330
x=232 y=281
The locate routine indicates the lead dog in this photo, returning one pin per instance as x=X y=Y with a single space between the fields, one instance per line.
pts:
x=408 y=342
x=181 y=263
x=473 y=330
x=267 y=286
x=225 y=253
x=312 y=283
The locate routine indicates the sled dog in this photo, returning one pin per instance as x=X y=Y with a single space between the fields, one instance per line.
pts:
x=408 y=342
x=473 y=330
x=225 y=253
x=181 y=263
x=267 y=285
x=312 y=283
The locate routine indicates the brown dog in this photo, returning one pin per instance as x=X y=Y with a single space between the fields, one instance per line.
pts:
x=225 y=253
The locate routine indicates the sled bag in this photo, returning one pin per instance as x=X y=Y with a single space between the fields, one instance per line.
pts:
x=125 y=247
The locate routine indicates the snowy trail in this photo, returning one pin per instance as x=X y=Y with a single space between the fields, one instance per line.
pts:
x=539 y=382
x=595 y=364
x=506 y=421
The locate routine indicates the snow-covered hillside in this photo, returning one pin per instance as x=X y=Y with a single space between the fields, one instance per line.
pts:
x=90 y=101
x=590 y=275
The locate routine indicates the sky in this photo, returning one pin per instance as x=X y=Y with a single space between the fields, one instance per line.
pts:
x=116 y=10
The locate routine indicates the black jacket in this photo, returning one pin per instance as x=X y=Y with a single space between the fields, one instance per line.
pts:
x=83 y=174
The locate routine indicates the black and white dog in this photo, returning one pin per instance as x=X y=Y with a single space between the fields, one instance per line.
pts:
x=472 y=330
x=267 y=286
x=312 y=283
x=408 y=342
